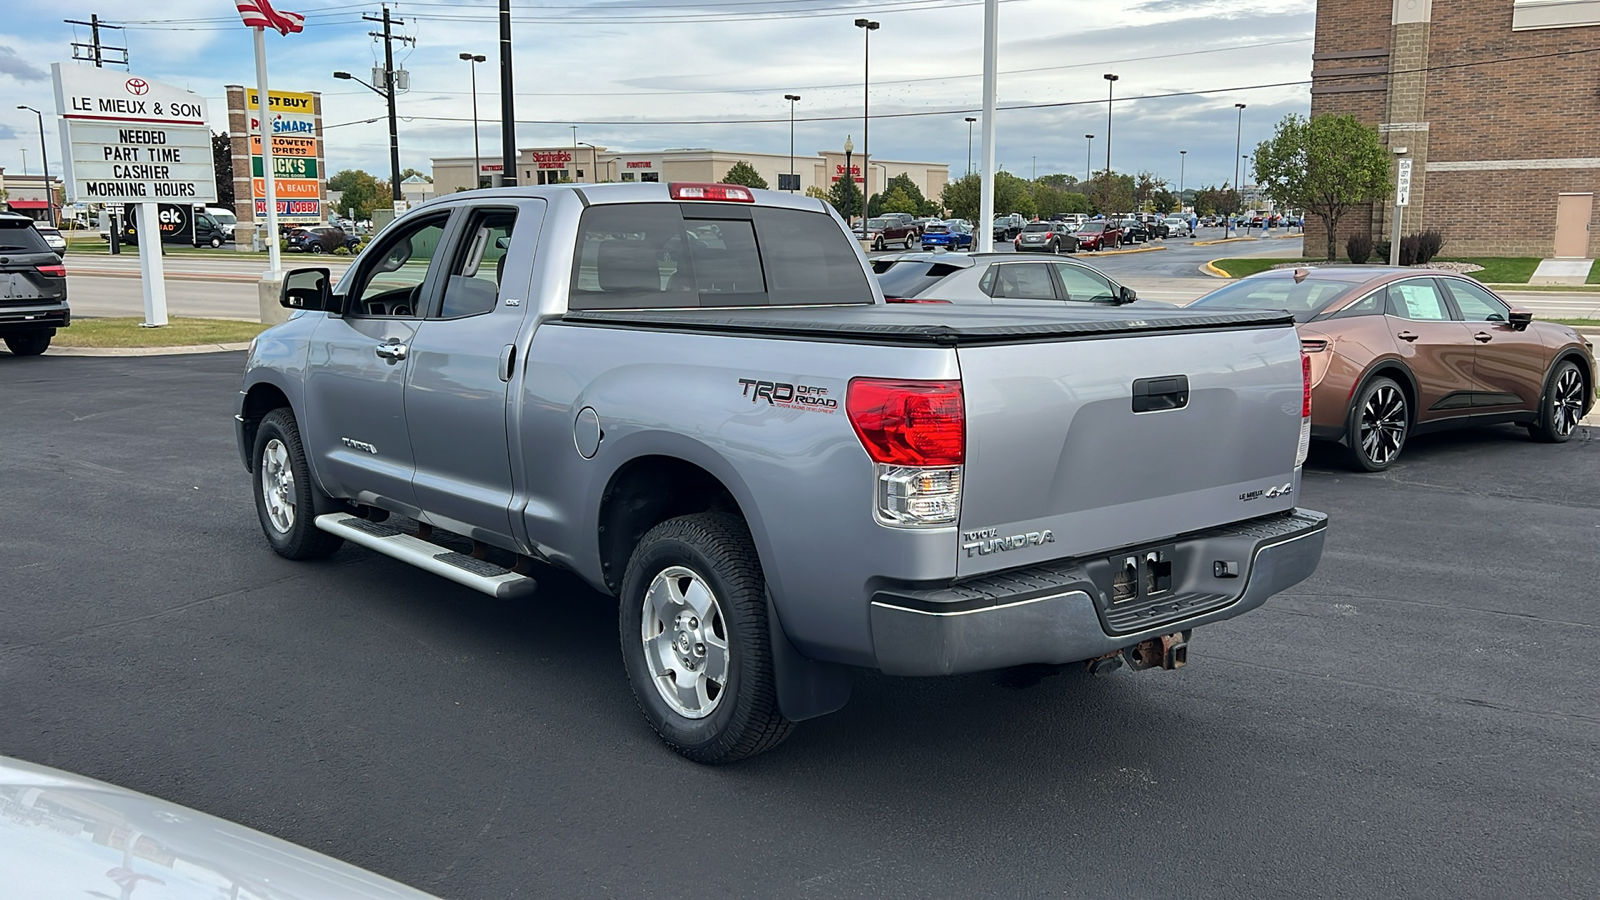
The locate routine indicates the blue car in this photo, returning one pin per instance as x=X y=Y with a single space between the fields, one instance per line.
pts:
x=948 y=236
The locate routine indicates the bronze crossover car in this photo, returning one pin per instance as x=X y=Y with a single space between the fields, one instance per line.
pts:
x=1396 y=352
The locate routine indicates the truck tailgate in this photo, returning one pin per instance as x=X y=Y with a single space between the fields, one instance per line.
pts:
x=1060 y=464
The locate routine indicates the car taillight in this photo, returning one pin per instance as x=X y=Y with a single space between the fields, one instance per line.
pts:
x=683 y=190
x=56 y=270
x=915 y=431
x=1304 y=448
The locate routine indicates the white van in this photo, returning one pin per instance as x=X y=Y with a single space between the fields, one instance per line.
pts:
x=224 y=217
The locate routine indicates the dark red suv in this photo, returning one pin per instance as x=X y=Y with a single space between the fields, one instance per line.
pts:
x=1098 y=236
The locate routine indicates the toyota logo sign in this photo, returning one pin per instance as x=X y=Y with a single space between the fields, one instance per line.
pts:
x=138 y=86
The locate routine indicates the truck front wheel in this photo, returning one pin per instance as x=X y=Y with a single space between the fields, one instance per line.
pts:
x=285 y=493
x=693 y=622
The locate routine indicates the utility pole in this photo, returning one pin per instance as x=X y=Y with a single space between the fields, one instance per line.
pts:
x=388 y=89
x=508 y=124
x=95 y=51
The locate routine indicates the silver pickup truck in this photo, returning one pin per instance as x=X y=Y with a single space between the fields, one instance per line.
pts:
x=694 y=397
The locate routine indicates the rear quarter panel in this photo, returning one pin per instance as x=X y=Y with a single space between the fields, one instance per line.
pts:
x=799 y=473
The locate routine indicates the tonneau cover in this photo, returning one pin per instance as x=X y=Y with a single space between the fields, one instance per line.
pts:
x=926 y=324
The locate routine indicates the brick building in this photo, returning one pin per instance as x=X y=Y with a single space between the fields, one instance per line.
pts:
x=1496 y=102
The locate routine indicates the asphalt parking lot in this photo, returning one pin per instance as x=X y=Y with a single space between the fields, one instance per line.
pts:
x=1419 y=719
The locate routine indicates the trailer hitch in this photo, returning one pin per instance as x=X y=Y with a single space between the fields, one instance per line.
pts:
x=1169 y=651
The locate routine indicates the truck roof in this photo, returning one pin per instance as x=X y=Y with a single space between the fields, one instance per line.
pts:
x=596 y=194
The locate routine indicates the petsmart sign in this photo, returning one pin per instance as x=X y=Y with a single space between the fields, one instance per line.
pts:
x=128 y=139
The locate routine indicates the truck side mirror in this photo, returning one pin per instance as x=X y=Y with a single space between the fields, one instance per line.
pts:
x=306 y=289
x=1127 y=294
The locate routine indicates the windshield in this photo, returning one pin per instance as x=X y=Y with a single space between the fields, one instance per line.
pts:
x=935 y=229
x=226 y=218
x=877 y=223
x=1093 y=228
x=1305 y=300
x=1039 y=227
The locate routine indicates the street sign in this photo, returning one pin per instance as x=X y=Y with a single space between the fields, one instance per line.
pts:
x=1402 y=190
x=127 y=139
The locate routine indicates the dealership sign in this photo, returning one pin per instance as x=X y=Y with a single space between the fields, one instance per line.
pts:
x=128 y=139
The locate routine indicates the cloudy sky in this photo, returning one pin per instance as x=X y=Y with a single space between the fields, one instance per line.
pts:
x=641 y=75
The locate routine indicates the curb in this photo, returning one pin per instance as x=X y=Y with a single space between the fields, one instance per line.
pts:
x=146 y=351
x=1223 y=241
x=1285 y=237
x=1096 y=254
x=1210 y=268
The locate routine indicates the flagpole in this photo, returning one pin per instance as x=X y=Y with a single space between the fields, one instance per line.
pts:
x=263 y=115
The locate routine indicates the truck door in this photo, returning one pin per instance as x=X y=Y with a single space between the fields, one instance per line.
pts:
x=355 y=386
x=463 y=359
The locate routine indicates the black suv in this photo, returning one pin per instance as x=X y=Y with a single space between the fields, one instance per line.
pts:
x=33 y=288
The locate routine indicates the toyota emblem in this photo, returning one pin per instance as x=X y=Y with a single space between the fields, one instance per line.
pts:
x=138 y=86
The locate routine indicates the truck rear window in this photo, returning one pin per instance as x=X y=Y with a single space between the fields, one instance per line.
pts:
x=670 y=255
x=21 y=236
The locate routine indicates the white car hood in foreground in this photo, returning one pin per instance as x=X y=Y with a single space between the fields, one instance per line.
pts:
x=66 y=836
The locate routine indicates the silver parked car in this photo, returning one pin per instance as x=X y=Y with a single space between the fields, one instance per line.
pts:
x=997 y=278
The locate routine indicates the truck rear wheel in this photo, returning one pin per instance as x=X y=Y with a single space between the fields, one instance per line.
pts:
x=695 y=643
x=285 y=493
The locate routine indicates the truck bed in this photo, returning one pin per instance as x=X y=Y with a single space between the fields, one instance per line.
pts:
x=947 y=326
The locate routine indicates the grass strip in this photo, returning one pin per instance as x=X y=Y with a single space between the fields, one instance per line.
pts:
x=1241 y=266
x=128 y=332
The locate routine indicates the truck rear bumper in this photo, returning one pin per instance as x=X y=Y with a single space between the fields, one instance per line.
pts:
x=1063 y=612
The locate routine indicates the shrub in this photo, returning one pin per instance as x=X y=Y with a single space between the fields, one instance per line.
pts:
x=341 y=251
x=1409 y=245
x=1359 y=248
x=1429 y=243
x=1380 y=251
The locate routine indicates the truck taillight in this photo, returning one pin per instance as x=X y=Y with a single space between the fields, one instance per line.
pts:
x=915 y=431
x=1304 y=448
x=682 y=190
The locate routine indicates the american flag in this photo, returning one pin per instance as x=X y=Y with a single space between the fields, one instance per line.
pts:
x=260 y=14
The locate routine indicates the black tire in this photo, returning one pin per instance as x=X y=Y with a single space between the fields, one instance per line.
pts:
x=29 y=343
x=301 y=539
x=316 y=248
x=743 y=719
x=1377 y=425
x=216 y=242
x=1561 y=405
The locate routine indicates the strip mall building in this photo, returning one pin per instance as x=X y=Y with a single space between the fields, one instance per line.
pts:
x=559 y=165
x=1494 y=102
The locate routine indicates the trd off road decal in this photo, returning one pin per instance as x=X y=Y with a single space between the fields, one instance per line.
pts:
x=789 y=396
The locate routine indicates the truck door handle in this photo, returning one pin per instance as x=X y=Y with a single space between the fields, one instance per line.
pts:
x=508 y=361
x=1408 y=336
x=393 y=351
x=1157 y=394
x=1483 y=337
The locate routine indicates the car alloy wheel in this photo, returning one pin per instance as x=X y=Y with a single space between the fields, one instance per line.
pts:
x=277 y=486
x=1567 y=402
x=685 y=642
x=1383 y=423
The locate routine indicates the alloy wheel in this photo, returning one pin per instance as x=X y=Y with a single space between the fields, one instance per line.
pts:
x=277 y=485
x=1567 y=401
x=685 y=642
x=1383 y=425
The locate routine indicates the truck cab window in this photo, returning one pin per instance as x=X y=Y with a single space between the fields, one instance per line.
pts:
x=473 y=287
x=390 y=282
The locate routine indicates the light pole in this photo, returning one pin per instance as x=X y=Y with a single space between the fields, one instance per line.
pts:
x=1088 y=161
x=1237 y=146
x=1111 y=83
x=794 y=176
x=594 y=161
x=574 y=151
x=472 y=61
x=49 y=196
x=970 y=120
x=1183 y=157
x=387 y=93
x=850 y=181
x=867 y=28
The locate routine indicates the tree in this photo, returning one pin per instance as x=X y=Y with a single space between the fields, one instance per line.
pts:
x=817 y=192
x=743 y=173
x=222 y=163
x=1327 y=166
x=362 y=192
x=1011 y=195
x=846 y=198
x=1164 y=201
x=1111 y=194
x=1145 y=187
x=407 y=173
